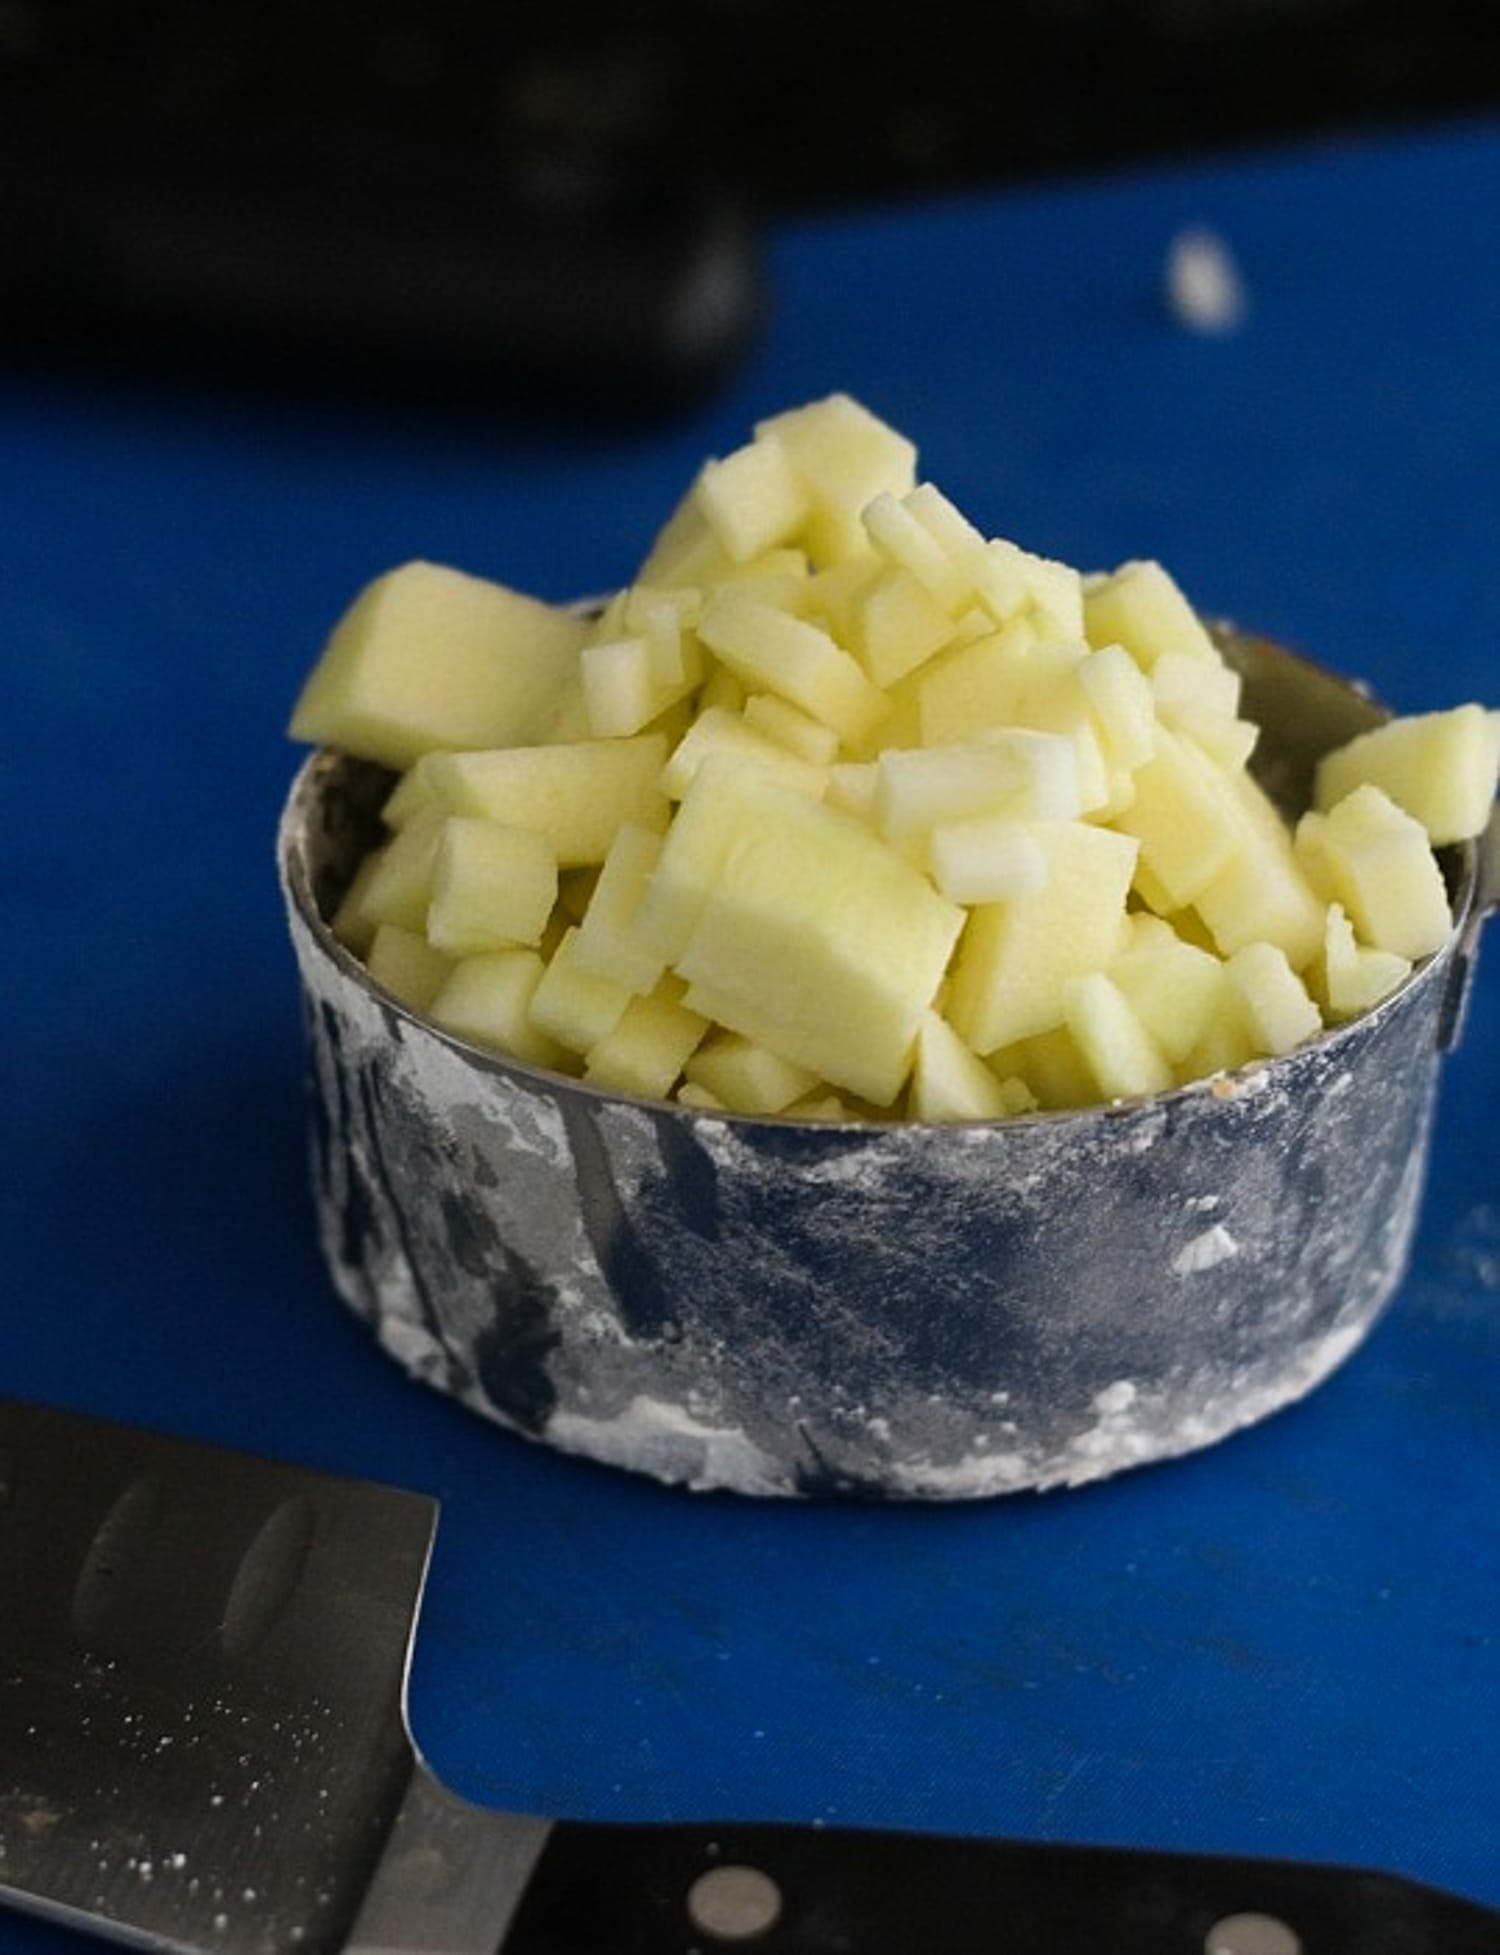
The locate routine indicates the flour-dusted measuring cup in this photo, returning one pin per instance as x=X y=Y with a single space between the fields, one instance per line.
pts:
x=899 y=1310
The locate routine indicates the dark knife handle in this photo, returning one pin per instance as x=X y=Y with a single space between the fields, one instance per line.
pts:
x=781 y=1890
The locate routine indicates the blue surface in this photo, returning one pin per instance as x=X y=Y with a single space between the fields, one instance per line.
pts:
x=1287 y=1645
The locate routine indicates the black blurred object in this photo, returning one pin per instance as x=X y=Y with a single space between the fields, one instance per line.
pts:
x=555 y=202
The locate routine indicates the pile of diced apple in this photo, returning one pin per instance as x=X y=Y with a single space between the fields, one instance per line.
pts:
x=843 y=810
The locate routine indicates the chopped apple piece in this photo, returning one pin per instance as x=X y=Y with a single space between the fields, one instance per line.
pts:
x=815 y=939
x=1185 y=818
x=492 y=887
x=1275 y=1003
x=407 y=966
x=898 y=625
x=1262 y=891
x=906 y=544
x=1051 y=1068
x=754 y=499
x=1174 y=988
x=719 y=734
x=794 y=659
x=649 y=1046
x=686 y=551
x=1120 y=695
x=410 y=794
x=1120 y=1053
x=487 y=1000
x=698 y=1098
x=846 y=457
x=791 y=728
x=852 y=786
x=1439 y=767
x=987 y=859
x=1374 y=859
x=746 y=1077
x=400 y=885
x=576 y=795
x=355 y=929
x=622 y=688
x=976 y=685
x=1352 y=978
x=574 y=1007
x=1141 y=608
x=949 y=1082
x=1016 y=958
x=607 y=942
x=1188 y=683
x=430 y=658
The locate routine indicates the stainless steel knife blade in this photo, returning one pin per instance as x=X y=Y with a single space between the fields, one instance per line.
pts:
x=203 y=1748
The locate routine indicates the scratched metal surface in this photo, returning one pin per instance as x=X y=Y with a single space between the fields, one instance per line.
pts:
x=1285 y=1644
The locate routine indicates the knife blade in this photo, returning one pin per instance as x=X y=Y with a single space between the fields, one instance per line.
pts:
x=204 y=1748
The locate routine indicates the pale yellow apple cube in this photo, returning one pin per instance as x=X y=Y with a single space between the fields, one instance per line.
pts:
x=622 y=692
x=492 y=886
x=647 y=1049
x=977 y=685
x=1374 y=859
x=922 y=788
x=607 y=942
x=355 y=929
x=405 y=964
x=796 y=660
x=987 y=859
x=1140 y=607
x=573 y=1007
x=1439 y=767
x=577 y=795
x=1050 y=1068
x=828 y=1109
x=1015 y=581
x=487 y=1000
x=428 y=658
x=410 y=794
x=846 y=457
x=719 y=734
x=721 y=689
x=746 y=1077
x=791 y=728
x=1174 y=988
x=1185 y=818
x=1226 y=741
x=833 y=595
x=1121 y=1055
x=898 y=625
x=907 y=545
x=1016 y=958
x=949 y=1082
x=1262 y=892
x=698 y=1098
x=1188 y=683
x=1274 y=1001
x=1349 y=976
x=686 y=551
x=754 y=499
x=1225 y=1044
x=816 y=940
x=852 y=786
x=720 y=803
x=1120 y=697
x=400 y=884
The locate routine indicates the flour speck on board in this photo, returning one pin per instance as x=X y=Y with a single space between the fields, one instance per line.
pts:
x=1205 y=1251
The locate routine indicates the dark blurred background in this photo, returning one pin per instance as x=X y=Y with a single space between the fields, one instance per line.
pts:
x=564 y=199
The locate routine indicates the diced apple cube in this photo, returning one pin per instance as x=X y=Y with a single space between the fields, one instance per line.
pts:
x=1174 y=988
x=1124 y=710
x=400 y=885
x=718 y=734
x=1184 y=817
x=753 y=499
x=1186 y=682
x=1014 y=581
x=649 y=1046
x=906 y=545
x=698 y=1098
x=826 y=1108
x=1352 y=978
x=1227 y=742
x=1439 y=767
x=833 y=595
x=791 y=728
x=815 y=939
x=987 y=859
x=406 y=965
x=607 y=942
x=1120 y=1053
x=1225 y=1044
x=721 y=690
x=1140 y=607
x=746 y=1077
x=487 y=1000
x=949 y=1082
x=1262 y=891
x=898 y=625
x=1016 y=958
x=720 y=803
x=978 y=685
x=846 y=457
x=1374 y=859
x=428 y=658
x=795 y=660
x=577 y=795
x=852 y=786
x=1275 y=1003
x=1051 y=1068
x=492 y=887
x=410 y=794
x=573 y=1007
x=350 y=923
x=686 y=551
x=919 y=789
